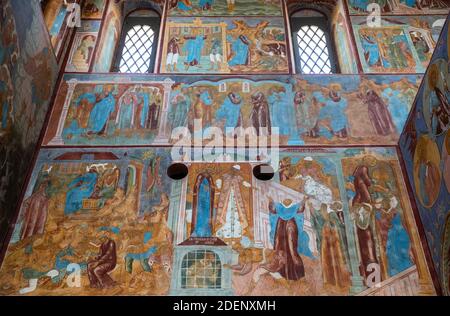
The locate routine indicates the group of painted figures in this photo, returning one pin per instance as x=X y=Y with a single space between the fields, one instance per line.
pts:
x=320 y=114
x=377 y=216
x=102 y=113
x=78 y=242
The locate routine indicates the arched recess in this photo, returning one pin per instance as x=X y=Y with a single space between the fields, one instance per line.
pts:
x=337 y=27
x=112 y=30
x=203 y=206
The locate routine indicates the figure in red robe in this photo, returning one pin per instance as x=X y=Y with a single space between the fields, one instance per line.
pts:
x=104 y=263
x=379 y=114
x=286 y=260
x=36 y=211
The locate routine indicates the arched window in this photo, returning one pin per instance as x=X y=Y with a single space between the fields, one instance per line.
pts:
x=313 y=49
x=137 y=49
x=201 y=269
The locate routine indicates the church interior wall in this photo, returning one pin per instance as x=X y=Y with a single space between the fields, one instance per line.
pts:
x=101 y=170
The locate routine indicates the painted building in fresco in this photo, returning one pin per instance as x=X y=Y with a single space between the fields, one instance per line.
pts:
x=359 y=200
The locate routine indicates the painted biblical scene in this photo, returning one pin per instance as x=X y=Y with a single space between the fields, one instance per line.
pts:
x=400 y=44
x=93 y=9
x=236 y=106
x=93 y=223
x=309 y=231
x=318 y=110
x=96 y=113
x=111 y=222
x=399 y=7
x=353 y=110
x=26 y=58
x=225 y=7
x=425 y=146
x=231 y=45
x=436 y=96
x=82 y=53
x=56 y=17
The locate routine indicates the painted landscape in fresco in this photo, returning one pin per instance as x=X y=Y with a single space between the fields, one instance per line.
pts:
x=425 y=145
x=401 y=7
x=401 y=44
x=224 y=8
x=321 y=110
x=109 y=221
x=25 y=58
x=231 y=45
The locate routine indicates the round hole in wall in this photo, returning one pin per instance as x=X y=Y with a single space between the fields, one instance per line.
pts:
x=177 y=171
x=263 y=172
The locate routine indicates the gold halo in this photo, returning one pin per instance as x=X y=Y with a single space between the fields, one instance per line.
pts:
x=427 y=152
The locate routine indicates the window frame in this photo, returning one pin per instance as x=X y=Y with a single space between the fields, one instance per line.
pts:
x=129 y=23
x=321 y=22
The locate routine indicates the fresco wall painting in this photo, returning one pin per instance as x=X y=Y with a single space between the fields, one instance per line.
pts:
x=56 y=18
x=347 y=110
x=93 y=9
x=225 y=8
x=110 y=34
x=218 y=231
x=25 y=58
x=401 y=44
x=83 y=47
x=425 y=145
x=395 y=7
x=233 y=45
x=341 y=30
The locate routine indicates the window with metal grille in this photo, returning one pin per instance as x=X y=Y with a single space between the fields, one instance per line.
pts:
x=137 y=52
x=313 y=51
x=137 y=49
x=201 y=269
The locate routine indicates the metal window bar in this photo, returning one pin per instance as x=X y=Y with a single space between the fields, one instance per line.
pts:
x=313 y=52
x=137 y=52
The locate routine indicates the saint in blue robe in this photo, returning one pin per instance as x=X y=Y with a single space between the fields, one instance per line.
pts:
x=397 y=248
x=202 y=226
x=126 y=115
x=144 y=112
x=286 y=214
x=193 y=48
x=240 y=50
x=100 y=114
x=332 y=111
x=370 y=47
x=79 y=189
x=282 y=113
x=179 y=111
x=230 y=112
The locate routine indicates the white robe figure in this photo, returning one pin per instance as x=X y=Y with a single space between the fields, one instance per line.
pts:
x=232 y=227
